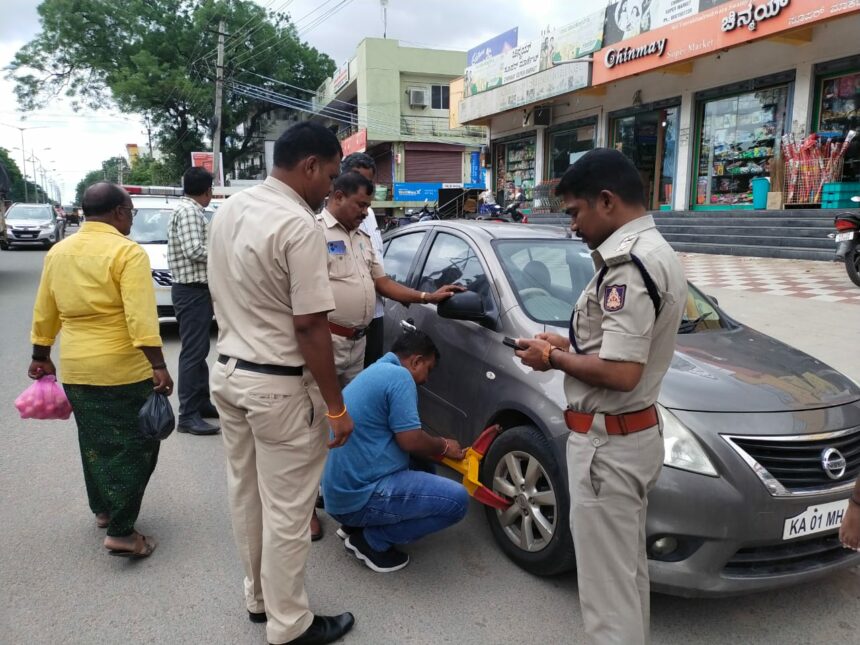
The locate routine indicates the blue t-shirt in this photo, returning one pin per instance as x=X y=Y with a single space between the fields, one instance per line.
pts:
x=382 y=401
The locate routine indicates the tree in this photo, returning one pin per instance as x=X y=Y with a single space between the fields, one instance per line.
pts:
x=114 y=169
x=34 y=192
x=156 y=57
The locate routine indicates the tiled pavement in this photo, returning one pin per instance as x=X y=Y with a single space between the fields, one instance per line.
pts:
x=821 y=281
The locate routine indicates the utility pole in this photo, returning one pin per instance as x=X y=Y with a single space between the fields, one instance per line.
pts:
x=24 y=165
x=148 y=125
x=219 y=89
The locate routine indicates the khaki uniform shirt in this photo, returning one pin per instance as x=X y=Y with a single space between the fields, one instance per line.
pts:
x=615 y=316
x=266 y=265
x=352 y=269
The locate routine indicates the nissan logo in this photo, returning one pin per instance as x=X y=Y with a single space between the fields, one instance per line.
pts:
x=833 y=463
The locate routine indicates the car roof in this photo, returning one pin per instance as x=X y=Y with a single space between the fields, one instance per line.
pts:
x=490 y=230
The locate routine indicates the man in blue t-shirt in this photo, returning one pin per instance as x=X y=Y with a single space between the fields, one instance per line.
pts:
x=367 y=483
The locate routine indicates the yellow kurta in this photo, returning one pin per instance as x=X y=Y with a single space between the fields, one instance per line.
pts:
x=97 y=287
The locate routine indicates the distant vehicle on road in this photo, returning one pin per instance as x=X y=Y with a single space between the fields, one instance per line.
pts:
x=762 y=441
x=72 y=215
x=32 y=225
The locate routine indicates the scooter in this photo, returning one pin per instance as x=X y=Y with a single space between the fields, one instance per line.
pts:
x=847 y=238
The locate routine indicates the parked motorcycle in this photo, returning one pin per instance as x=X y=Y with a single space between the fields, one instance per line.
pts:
x=847 y=238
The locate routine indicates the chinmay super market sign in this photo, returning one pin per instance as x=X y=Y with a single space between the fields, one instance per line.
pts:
x=749 y=18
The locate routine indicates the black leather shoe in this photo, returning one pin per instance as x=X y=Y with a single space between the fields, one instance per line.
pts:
x=197 y=426
x=325 y=629
x=208 y=411
x=257 y=617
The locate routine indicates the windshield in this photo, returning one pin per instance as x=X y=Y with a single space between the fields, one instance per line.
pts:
x=38 y=213
x=150 y=224
x=548 y=276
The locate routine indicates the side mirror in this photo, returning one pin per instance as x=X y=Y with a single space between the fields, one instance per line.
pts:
x=714 y=300
x=463 y=306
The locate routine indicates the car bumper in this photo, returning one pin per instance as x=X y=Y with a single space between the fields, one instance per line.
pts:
x=40 y=238
x=164 y=304
x=735 y=540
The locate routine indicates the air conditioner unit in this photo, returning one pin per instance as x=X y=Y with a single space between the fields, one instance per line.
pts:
x=543 y=115
x=417 y=98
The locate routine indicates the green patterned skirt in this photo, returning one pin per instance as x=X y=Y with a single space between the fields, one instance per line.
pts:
x=118 y=461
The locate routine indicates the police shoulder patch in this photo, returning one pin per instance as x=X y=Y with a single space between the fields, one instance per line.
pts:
x=613 y=297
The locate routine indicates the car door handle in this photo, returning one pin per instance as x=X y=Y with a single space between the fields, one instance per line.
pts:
x=408 y=325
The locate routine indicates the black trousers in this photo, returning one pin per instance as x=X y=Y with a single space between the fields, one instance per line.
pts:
x=373 y=351
x=193 y=306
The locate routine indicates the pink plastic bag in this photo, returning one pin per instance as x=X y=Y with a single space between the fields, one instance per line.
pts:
x=44 y=399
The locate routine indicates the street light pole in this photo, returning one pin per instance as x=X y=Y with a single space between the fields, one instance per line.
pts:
x=219 y=88
x=24 y=165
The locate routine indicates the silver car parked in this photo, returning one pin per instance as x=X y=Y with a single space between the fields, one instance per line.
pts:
x=762 y=441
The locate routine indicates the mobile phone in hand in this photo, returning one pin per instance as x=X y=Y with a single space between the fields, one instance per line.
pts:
x=510 y=342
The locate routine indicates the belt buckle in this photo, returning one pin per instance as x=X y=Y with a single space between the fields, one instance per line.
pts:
x=359 y=333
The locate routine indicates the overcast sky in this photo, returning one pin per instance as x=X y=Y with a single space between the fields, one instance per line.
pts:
x=79 y=142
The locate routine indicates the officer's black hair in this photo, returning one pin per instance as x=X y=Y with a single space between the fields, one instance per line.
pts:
x=303 y=140
x=349 y=183
x=358 y=160
x=603 y=169
x=412 y=343
x=101 y=198
x=196 y=181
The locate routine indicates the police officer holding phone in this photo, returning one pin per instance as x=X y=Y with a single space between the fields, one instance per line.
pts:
x=620 y=344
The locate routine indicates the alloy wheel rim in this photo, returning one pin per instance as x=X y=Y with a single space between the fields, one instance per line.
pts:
x=531 y=521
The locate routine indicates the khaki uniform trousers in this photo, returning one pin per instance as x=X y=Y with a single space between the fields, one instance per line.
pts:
x=275 y=434
x=610 y=476
x=348 y=357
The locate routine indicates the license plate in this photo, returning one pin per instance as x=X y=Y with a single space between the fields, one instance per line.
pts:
x=845 y=237
x=815 y=519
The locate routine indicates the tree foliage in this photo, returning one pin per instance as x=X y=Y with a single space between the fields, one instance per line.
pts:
x=157 y=57
x=16 y=193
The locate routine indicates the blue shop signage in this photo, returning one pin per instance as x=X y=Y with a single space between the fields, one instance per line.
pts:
x=420 y=191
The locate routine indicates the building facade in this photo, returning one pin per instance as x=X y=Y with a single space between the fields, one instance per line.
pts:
x=393 y=102
x=703 y=105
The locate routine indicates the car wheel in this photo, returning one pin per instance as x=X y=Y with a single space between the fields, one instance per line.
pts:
x=534 y=532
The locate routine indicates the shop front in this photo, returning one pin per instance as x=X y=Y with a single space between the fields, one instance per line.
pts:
x=648 y=136
x=515 y=168
x=739 y=133
x=567 y=142
x=837 y=108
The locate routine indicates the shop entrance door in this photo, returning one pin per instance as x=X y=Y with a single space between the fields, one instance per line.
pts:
x=649 y=139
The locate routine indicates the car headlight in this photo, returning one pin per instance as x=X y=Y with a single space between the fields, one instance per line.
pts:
x=682 y=448
x=47 y=226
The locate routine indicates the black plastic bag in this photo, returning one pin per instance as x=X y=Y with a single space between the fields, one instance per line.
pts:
x=156 y=418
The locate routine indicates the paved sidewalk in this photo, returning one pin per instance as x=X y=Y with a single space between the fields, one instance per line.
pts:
x=821 y=281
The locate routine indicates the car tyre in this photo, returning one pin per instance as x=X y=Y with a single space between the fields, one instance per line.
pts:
x=535 y=531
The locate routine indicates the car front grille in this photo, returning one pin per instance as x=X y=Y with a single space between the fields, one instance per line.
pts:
x=162 y=278
x=795 y=465
x=165 y=311
x=788 y=557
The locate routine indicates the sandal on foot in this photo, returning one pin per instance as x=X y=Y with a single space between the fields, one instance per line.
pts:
x=143 y=548
x=102 y=520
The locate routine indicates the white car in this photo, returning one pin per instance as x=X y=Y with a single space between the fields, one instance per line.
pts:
x=149 y=229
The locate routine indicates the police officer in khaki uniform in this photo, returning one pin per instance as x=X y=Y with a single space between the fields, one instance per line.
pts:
x=274 y=383
x=356 y=274
x=620 y=345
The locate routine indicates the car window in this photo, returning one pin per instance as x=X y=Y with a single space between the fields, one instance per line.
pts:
x=400 y=254
x=452 y=260
x=546 y=275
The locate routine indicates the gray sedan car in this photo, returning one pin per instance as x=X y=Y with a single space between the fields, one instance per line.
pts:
x=762 y=441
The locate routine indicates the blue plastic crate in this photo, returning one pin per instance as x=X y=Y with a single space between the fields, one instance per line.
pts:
x=839 y=190
x=842 y=202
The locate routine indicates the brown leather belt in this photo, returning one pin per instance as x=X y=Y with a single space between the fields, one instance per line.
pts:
x=615 y=423
x=347 y=332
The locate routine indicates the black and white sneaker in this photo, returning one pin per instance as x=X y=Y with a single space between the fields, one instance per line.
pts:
x=381 y=562
x=345 y=531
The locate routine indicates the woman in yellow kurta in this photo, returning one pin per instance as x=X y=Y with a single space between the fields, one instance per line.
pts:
x=97 y=288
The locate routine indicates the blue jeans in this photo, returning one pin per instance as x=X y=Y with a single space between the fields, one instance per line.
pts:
x=407 y=506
